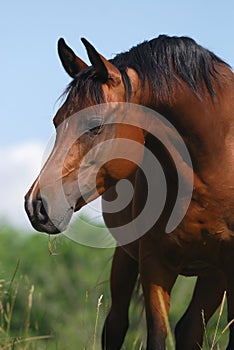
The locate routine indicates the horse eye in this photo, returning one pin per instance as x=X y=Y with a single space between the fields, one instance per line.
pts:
x=95 y=126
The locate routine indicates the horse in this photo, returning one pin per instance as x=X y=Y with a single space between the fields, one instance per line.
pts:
x=194 y=90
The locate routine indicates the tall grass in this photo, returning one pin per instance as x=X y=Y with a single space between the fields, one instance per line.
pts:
x=58 y=292
x=96 y=322
x=213 y=342
x=8 y=294
x=24 y=340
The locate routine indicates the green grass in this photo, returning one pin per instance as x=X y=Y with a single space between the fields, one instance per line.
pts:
x=9 y=339
x=54 y=295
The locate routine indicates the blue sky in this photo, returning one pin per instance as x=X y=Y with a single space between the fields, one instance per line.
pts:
x=32 y=77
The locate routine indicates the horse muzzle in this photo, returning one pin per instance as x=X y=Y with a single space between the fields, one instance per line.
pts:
x=41 y=219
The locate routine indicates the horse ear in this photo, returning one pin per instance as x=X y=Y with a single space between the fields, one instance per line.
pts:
x=103 y=68
x=71 y=63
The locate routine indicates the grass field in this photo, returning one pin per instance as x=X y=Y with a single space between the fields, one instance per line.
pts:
x=57 y=297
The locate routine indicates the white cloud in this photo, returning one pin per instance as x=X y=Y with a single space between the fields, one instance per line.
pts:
x=20 y=165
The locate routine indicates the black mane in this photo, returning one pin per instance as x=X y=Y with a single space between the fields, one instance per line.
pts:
x=160 y=61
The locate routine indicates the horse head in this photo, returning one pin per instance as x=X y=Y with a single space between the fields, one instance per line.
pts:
x=84 y=161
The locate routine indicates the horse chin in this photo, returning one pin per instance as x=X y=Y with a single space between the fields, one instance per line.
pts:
x=62 y=224
x=48 y=228
x=81 y=202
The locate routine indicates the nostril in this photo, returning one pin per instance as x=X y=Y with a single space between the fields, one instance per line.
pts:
x=41 y=210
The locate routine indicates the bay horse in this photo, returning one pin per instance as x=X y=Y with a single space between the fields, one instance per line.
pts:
x=194 y=90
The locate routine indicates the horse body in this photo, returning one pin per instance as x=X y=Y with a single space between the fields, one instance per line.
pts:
x=199 y=244
x=194 y=91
